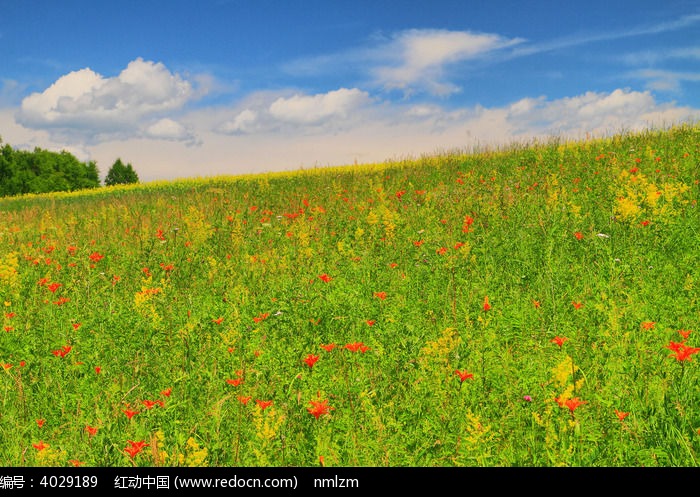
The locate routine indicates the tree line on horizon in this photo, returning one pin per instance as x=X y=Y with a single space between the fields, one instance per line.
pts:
x=43 y=171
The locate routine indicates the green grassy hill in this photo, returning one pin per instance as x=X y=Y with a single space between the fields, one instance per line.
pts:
x=530 y=306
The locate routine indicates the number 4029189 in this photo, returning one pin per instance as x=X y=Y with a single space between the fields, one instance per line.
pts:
x=68 y=481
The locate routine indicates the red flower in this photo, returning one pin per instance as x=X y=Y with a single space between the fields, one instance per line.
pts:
x=218 y=320
x=235 y=382
x=441 y=251
x=370 y=322
x=150 y=404
x=40 y=422
x=648 y=325
x=357 y=346
x=380 y=295
x=468 y=221
x=621 y=415
x=645 y=223
x=559 y=340
x=675 y=346
x=53 y=287
x=325 y=278
x=98 y=369
x=129 y=413
x=261 y=317
x=135 y=447
x=76 y=325
x=92 y=430
x=685 y=333
x=166 y=392
x=577 y=305
x=244 y=400
x=536 y=303
x=578 y=235
x=682 y=351
x=62 y=352
x=464 y=375
x=487 y=306
x=264 y=404
x=96 y=257
x=310 y=360
x=319 y=408
x=573 y=404
x=328 y=347
x=40 y=446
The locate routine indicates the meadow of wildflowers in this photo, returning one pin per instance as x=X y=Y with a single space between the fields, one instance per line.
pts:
x=531 y=306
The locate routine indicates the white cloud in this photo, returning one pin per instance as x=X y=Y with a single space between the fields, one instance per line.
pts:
x=168 y=129
x=595 y=113
x=387 y=131
x=266 y=112
x=410 y=61
x=665 y=80
x=370 y=131
x=85 y=105
x=315 y=109
x=244 y=122
x=419 y=58
x=678 y=24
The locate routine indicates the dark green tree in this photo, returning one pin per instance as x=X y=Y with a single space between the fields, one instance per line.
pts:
x=120 y=174
x=42 y=171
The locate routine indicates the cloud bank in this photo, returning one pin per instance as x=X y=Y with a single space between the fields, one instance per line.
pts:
x=85 y=105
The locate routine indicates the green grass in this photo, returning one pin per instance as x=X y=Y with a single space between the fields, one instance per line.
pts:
x=211 y=295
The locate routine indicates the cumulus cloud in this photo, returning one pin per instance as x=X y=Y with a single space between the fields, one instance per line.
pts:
x=346 y=110
x=87 y=105
x=314 y=109
x=419 y=58
x=332 y=110
x=594 y=112
x=168 y=129
x=244 y=122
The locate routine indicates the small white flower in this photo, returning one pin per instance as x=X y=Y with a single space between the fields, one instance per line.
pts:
x=602 y=235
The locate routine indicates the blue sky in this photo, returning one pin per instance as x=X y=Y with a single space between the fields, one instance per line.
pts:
x=182 y=89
